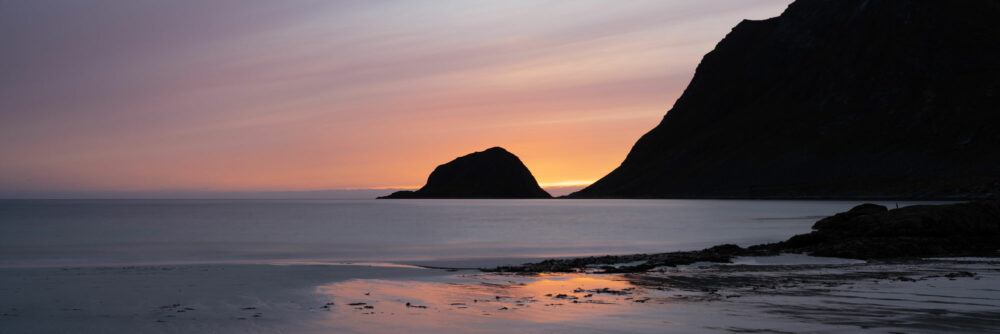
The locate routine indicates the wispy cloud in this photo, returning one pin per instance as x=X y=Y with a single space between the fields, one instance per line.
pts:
x=228 y=94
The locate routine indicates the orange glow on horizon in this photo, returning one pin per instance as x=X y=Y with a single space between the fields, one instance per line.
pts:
x=280 y=98
x=565 y=184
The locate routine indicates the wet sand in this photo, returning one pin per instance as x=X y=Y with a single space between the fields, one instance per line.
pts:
x=782 y=294
x=175 y=298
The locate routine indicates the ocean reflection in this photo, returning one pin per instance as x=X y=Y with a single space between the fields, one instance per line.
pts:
x=482 y=302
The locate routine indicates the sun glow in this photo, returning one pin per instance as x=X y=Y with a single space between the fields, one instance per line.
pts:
x=471 y=301
x=337 y=95
x=572 y=183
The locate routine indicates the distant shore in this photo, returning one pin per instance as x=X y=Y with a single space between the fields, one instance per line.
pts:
x=950 y=198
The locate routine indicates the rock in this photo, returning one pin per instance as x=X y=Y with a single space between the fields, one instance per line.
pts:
x=858 y=217
x=867 y=231
x=871 y=231
x=408 y=305
x=493 y=173
x=721 y=254
x=960 y=274
x=833 y=99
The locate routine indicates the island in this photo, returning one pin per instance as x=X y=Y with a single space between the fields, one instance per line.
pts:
x=492 y=173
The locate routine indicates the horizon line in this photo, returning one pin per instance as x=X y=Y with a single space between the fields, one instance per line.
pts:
x=334 y=193
x=563 y=184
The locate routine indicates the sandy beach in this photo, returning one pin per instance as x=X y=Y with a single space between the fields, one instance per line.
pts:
x=246 y=267
x=789 y=293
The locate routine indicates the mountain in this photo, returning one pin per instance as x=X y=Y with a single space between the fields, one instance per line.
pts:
x=833 y=99
x=493 y=173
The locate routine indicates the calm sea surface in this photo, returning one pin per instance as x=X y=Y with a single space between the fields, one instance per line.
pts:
x=95 y=232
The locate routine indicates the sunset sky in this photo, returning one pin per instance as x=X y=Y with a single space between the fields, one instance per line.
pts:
x=238 y=95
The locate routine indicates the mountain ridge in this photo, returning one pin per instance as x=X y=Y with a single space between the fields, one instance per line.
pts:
x=832 y=99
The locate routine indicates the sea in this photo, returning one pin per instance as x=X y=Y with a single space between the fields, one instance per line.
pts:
x=46 y=233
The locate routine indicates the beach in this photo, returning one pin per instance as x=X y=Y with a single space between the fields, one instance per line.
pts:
x=792 y=293
x=188 y=266
x=751 y=166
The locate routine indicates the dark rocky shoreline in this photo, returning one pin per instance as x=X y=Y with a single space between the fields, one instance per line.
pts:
x=866 y=232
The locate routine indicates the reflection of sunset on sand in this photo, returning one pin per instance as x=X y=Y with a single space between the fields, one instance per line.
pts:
x=467 y=302
x=792 y=296
x=789 y=295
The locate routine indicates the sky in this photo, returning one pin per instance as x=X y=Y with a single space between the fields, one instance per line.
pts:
x=252 y=95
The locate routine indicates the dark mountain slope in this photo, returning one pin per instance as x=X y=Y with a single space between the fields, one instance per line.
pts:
x=493 y=173
x=834 y=98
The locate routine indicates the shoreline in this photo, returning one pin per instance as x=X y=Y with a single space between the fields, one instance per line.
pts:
x=763 y=288
x=867 y=231
x=784 y=293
